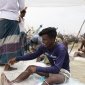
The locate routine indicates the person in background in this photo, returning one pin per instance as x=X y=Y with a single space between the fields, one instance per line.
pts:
x=34 y=43
x=58 y=72
x=10 y=30
x=81 y=50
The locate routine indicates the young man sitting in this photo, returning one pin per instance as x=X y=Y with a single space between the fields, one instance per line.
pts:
x=81 y=50
x=57 y=73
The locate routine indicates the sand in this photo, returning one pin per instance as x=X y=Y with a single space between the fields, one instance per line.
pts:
x=78 y=69
x=77 y=65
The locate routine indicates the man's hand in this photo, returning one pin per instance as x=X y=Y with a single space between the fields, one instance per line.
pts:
x=23 y=12
x=12 y=61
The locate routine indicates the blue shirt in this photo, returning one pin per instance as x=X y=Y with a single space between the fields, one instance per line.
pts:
x=58 y=57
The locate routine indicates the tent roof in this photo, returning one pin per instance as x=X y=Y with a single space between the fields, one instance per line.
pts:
x=44 y=3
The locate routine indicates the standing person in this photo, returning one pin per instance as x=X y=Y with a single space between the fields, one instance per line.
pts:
x=58 y=72
x=9 y=30
x=82 y=47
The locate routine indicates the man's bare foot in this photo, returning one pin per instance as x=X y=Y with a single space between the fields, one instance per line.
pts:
x=8 y=68
x=4 y=80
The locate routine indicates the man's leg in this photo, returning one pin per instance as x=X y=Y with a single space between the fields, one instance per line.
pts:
x=54 y=79
x=76 y=54
x=82 y=55
x=79 y=54
x=24 y=75
x=43 y=74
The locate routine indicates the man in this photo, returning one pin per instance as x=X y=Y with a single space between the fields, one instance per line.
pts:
x=81 y=50
x=34 y=43
x=9 y=30
x=57 y=54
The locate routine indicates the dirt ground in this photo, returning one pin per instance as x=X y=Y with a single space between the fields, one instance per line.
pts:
x=77 y=66
x=78 y=70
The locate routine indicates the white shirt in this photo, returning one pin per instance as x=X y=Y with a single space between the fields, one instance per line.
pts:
x=9 y=9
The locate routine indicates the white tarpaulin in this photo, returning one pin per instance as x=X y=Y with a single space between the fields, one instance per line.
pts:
x=55 y=2
x=33 y=79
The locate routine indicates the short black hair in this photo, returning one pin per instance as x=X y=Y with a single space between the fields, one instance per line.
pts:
x=50 y=31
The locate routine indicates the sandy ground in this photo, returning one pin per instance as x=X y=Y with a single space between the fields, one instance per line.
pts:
x=78 y=69
x=77 y=65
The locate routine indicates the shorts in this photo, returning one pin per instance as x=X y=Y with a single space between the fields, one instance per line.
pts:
x=65 y=73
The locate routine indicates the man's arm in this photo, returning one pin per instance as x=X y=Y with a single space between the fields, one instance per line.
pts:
x=58 y=64
x=30 y=56
x=21 y=4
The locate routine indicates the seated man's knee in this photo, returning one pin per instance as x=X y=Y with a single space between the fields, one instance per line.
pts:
x=30 y=68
